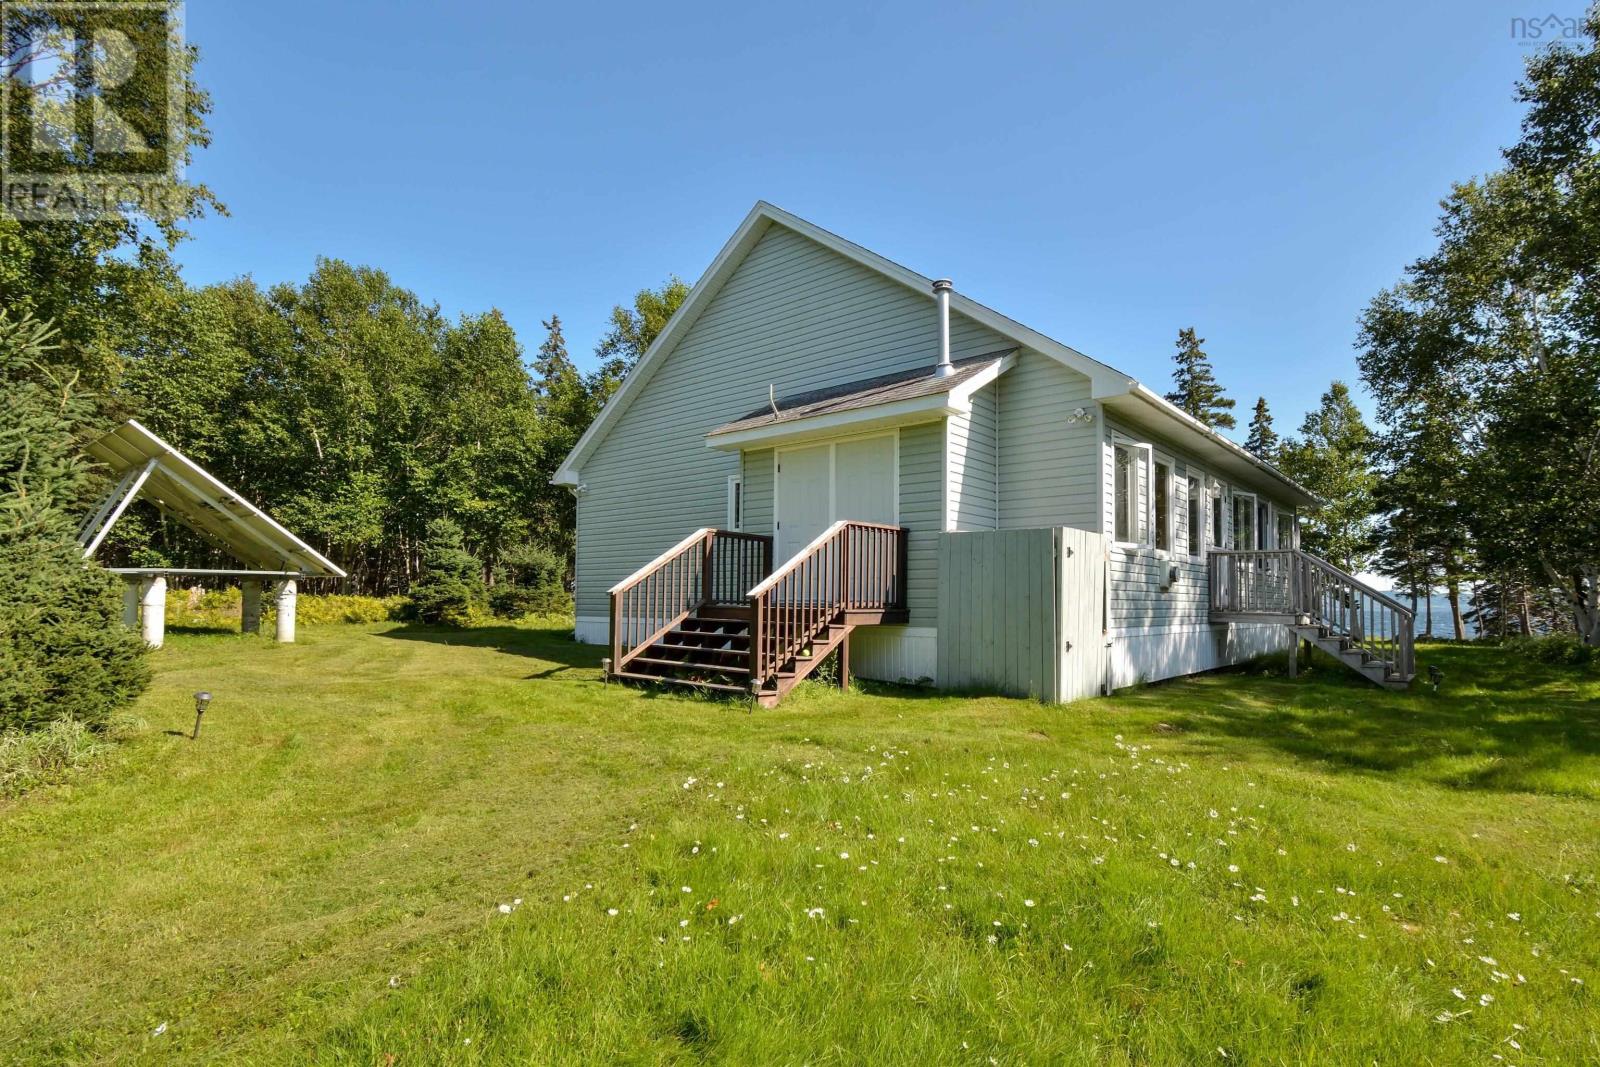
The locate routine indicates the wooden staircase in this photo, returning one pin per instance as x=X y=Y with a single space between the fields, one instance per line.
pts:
x=1369 y=632
x=710 y=614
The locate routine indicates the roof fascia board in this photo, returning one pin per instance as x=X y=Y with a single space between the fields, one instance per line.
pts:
x=705 y=288
x=839 y=423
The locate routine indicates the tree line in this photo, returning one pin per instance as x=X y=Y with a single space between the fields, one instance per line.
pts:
x=1482 y=472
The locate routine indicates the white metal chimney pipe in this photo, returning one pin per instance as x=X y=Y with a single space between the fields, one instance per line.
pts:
x=941 y=293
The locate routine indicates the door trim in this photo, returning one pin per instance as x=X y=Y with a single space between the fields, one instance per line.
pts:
x=833 y=456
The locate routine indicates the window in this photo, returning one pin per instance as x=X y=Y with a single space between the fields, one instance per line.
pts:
x=1125 y=496
x=1197 y=517
x=1130 y=484
x=735 y=502
x=1244 y=521
x=1219 y=518
x=1163 y=504
x=1285 y=529
x=1263 y=524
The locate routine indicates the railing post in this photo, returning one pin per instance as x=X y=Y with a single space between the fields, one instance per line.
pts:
x=1293 y=566
x=902 y=556
x=616 y=632
x=707 y=580
x=842 y=595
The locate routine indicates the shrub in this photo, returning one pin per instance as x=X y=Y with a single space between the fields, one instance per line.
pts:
x=529 y=582
x=64 y=653
x=450 y=591
x=221 y=608
x=1566 y=649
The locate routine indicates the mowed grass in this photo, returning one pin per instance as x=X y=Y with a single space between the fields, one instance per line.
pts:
x=400 y=846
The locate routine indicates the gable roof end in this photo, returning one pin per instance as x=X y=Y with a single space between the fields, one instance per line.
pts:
x=1107 y=382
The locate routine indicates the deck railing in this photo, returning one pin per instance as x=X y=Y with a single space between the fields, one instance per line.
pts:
x=1293 y=585
x=850 y=566
x=709 y=567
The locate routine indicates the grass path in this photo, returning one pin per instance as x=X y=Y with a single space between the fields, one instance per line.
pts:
x=1245 y=869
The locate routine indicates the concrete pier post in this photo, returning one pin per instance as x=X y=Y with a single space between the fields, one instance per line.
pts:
x=153 y=611
x=250 y=606
x=287 y=593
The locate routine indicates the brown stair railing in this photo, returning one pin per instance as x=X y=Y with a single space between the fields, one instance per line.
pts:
x=708 y=568
x=1295 y=585
x=850 y=566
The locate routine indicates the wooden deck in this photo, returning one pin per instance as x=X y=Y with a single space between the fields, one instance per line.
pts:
x=1366 y=630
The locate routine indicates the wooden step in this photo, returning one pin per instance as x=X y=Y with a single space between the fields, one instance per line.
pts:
x=719 y=668
x=715 y=687
x=708 y=638
x=702 y=650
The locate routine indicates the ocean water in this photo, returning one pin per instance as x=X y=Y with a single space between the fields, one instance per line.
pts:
x=1441 y=614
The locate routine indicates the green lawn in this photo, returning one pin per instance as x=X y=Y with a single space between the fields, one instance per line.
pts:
x=1231 y=869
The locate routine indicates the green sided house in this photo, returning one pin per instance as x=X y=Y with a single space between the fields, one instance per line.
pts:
x=825 y=450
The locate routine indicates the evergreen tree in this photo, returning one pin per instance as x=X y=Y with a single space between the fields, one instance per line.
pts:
x=1263 y=439
x=1196 y=390
x=566 y=408
x=64 y=653
x=1333 y=459
x=450 y=590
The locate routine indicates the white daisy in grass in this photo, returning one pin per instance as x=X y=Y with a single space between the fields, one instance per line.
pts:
x=611 y=911
x=815 y=913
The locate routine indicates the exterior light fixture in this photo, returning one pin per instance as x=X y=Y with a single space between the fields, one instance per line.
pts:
x=201 y=700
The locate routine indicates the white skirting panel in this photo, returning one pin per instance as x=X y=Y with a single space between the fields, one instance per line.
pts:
x=895 y=653
x=1151 y=656
x=593 y=629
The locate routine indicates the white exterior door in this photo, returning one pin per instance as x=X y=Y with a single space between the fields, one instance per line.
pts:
x=821 y=484
x=805 y=491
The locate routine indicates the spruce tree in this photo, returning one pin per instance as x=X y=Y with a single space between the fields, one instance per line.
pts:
x=1263 y=439
x=451 y=589
x=1196 y=390
x=64 y=653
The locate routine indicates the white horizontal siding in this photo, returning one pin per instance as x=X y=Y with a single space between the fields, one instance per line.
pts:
x=794 y=316
x=972 y=442
x=1048 y=467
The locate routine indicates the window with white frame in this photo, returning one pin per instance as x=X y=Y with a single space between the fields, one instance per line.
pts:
x=1286 y=529
x=1130 y=522
x=1219 y=517
x=1161 y=504
x=1244 y=521
x=1196 y=516
x=735 y=502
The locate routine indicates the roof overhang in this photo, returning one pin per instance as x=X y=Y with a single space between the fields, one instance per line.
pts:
x=153 y=470
x=929 y=407
x=1147 y=408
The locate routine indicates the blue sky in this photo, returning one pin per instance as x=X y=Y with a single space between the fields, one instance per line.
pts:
x=1104 y=173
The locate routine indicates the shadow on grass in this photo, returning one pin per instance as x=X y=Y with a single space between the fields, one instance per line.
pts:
x=553 y=643
x=1499 y=722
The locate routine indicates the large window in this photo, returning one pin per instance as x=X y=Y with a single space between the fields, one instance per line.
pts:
x=1125 y=502
x=1197 y=517
x=1244 y=521
x=1285 y=529
x=1163 y=493
x=1133 y=497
